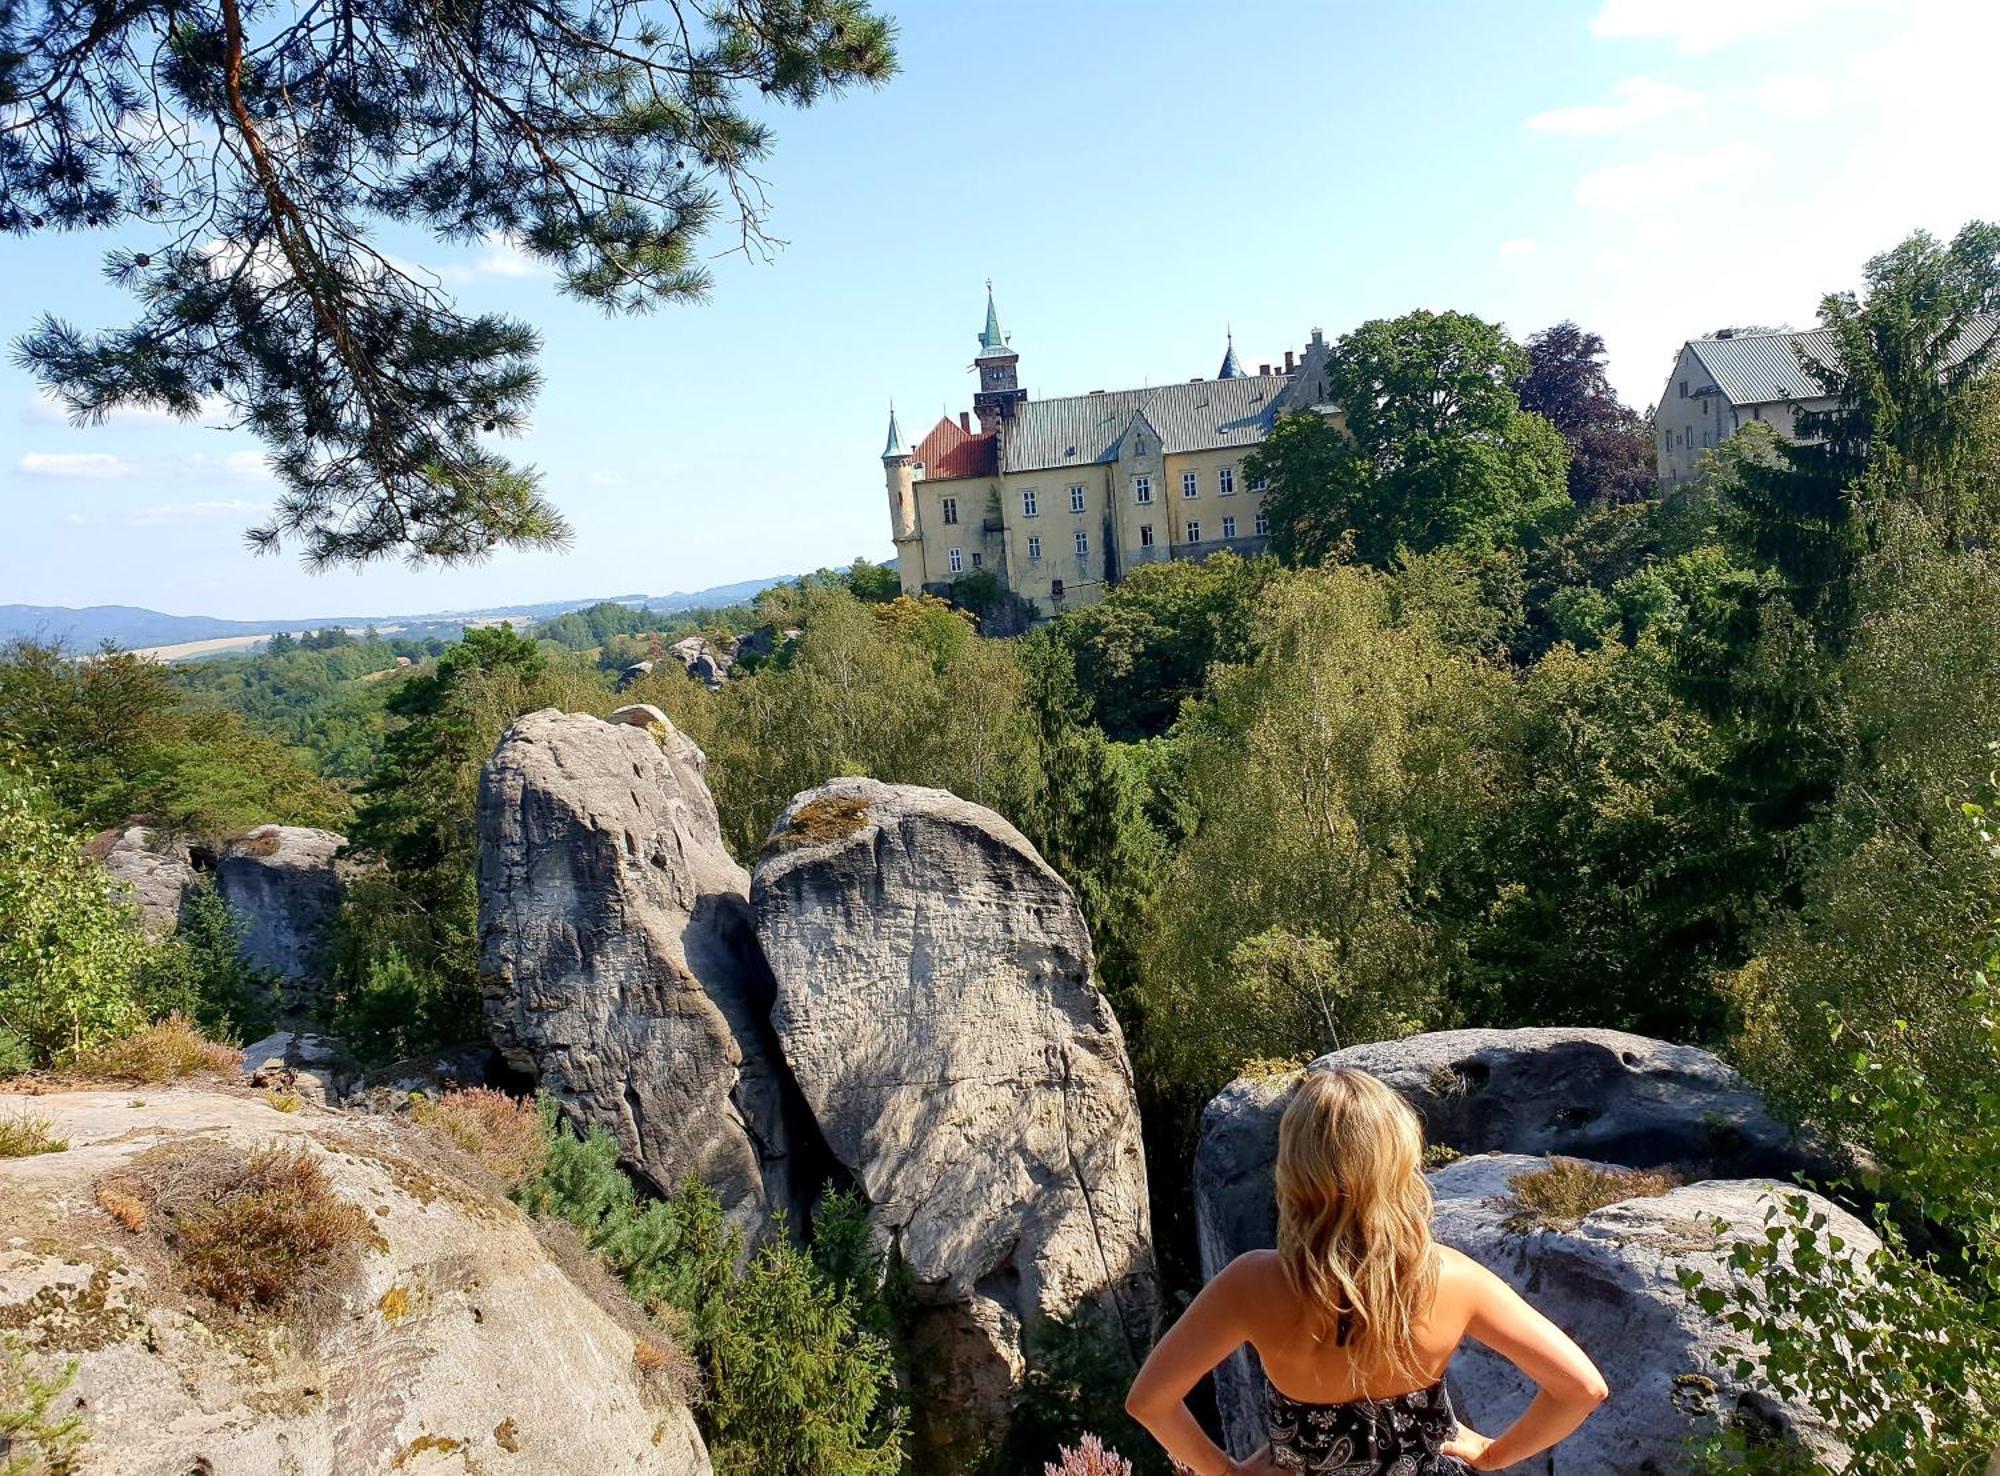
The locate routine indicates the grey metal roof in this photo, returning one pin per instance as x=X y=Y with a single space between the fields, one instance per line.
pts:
x=1759 y=368
x=1080 y=430
x=895 y=448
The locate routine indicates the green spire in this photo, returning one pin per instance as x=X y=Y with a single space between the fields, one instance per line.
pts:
x=991 y=339
x=895 y=449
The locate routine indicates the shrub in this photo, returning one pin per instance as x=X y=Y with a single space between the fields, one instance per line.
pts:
x=503 y=1133
x=166 y=1051
x=15 y=1057
x=23 y=1135
x=1088 y=1457
x=31 y=1443
x=1559 y=1196
x=201 y=973
x=260 y=1232
x=796 y=1382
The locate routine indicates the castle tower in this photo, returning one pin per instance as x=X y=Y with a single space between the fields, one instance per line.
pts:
x=1230 y=368
x=999 y=391
x=899 y=476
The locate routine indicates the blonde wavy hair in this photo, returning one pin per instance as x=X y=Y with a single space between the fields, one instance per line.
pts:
x=1354 y=1216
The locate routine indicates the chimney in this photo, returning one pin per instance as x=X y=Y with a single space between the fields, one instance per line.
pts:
x=1288 y=361
x=965 y=421
x=1264 y=370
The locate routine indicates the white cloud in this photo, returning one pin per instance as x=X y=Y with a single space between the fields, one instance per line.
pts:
x=605 y=479
x=45 y=409
x=1697 y=28
x=174 y=514
x=1635 y=102
x=503 y=257
x=1794 y=97
x=95 y=466
x=1519 y=246
x=1667 y=177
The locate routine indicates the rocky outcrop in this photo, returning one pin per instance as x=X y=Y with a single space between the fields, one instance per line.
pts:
x=461 y=1345
x=935 y=1004
x=632 y=675
x=1593 y=1094
x=622 y=969
x=316 y=1067
x=284 y=886
x=704 y=660
x=1612 y=1283
x=155 y=872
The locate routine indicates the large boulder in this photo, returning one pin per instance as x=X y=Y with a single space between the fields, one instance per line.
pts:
x=704 y=660
x=1599 y=1094
x=1612 y=1282
x=154 y=872
x=462 y=1343
x=284 y=885
x=621 y=968
x=937 y=1008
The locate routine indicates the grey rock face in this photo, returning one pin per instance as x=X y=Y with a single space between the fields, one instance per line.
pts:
x=936 y=1006
x=316 y=1067
x=156 y=873
x=1612 y=1283
x=285 y=888
x=464 y=1347
x=1594 y=1094
x=622 y=970
x=703 y=660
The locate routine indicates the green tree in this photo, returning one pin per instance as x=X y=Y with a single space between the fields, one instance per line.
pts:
x=1430 y=448
x=258 y=151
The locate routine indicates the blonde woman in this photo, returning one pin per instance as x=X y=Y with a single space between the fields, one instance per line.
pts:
x=1356 y=1313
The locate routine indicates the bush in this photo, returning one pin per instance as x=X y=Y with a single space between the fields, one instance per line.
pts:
x=402 y=1009
x=31 y=1442
x=167 y=1051
x=256 y=1233
x=797 y=1383
x=503 y=1133
x=1561 y=1195
x=15 y=1057
x=200 y=973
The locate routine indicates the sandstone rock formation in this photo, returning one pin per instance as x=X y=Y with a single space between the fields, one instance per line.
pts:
x=936 y=1006
x=463 y=1346
x=1612 y=1283
x=155 y=871
x=316 y=1067
x=284 y=885
x=703 y=659
x=622 y=969
x=1593 y=1094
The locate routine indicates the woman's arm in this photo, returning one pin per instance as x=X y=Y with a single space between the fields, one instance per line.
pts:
x=1210 y=1330
x=1570 y=1385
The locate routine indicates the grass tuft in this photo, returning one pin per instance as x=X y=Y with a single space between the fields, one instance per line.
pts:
x=831 y=817
x=127 y=1208
x=167 y=1050
x=1559 y=1196
x=258 y=1233
x=23 y=1135
x=504 y=1134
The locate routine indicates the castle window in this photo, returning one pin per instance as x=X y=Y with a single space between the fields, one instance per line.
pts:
x=1684 y=389
x=1756 y=412
x=1145 y=535
x=1194 y=532
x=1142 y=489
x=1082 y=545
x=1190 y=484
x=950 y=506
x=1259 y=484
x=1076 y=499
x=1034 y=548
x=956 y=558
x=1263 y=523
x=978 y=559
x=1225 y=482
x=1704 y=404
x=1029 y=509
x=1229 y=527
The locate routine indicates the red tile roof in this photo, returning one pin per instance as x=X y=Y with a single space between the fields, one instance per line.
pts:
x=950 y=452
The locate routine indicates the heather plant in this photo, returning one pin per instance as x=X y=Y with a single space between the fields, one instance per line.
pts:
x=1088 y=1457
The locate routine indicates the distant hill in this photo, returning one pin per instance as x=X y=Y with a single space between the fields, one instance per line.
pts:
x=134 y=627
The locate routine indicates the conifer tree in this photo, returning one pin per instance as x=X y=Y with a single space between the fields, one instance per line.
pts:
x=250 y=150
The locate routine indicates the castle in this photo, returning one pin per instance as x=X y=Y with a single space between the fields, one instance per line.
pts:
x=1058 y=498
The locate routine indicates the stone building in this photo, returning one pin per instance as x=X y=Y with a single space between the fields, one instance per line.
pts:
x=1058 y=498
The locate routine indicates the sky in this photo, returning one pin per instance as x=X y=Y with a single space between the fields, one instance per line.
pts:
x=1136 y=179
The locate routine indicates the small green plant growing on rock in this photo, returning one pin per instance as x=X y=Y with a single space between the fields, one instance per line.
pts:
x=817 y=822
x=1561 y=1195
x=22 y=1135
x=31 y=1443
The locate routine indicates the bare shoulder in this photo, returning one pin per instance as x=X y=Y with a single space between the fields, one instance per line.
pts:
x=1253 y=1271
x=1463 y=1279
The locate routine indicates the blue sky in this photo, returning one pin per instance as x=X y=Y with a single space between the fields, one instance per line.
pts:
x=1133 y=177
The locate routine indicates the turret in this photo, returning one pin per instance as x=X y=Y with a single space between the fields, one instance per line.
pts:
x=1230 y=368
x=900 y=478
x=999 y=392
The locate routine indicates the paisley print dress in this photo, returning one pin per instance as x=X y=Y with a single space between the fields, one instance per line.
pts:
x=1403 y=1436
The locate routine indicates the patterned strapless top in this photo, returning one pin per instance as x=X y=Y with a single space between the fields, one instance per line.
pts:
x=1403 y=1436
